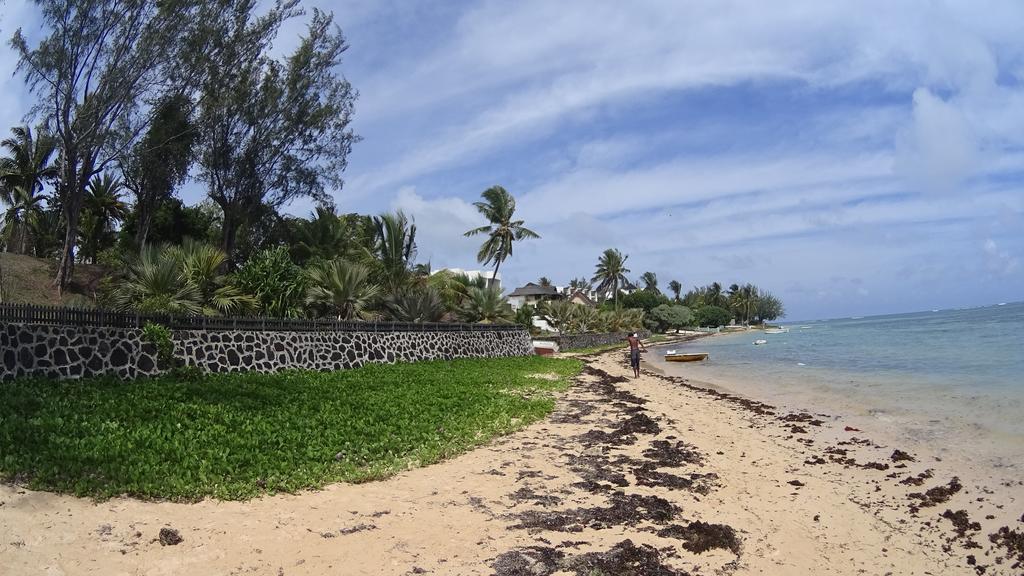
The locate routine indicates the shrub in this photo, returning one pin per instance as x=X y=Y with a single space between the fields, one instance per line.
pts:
x=277 y=284
x=713 y=316
x=665 y=316
x=160 y=337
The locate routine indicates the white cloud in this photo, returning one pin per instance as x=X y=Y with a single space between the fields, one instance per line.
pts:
x=938 y=151
x=999 y=262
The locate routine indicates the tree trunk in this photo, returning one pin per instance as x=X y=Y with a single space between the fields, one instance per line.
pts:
x=495 y=279
x=145 y=221
x=229 y=234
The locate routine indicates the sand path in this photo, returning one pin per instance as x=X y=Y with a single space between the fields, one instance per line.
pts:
x=646 y=476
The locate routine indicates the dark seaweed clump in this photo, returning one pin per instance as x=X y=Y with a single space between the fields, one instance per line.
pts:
x=624 y=559
x=1013 y=542
x=666 y=454
x=625 y=510
x=961 y=522
x=532 y=561
x=648 y=475
x=901 y=456
x=699 y=537
x=917 y=480
x=936 y=495
x=622 y=434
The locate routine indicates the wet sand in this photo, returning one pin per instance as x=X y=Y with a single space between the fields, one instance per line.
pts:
x=651 y=476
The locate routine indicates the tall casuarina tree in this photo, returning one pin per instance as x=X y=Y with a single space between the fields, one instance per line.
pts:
x=611 y=272
x=93 y=67
x=499 y=207
x=270 y=129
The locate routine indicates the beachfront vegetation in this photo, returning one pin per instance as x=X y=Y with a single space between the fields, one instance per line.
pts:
x=499 y=207
x=670 y=316
x=240 y=435
x=746 y=303
x=710 y=316
x=676 y=289
x=610 y=273
x=571 y=318
x=132 y=97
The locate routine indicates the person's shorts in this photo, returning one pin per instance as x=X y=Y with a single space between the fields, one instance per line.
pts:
x=634 y=358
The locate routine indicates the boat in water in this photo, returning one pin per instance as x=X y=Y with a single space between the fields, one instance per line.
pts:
x=760 y=341
x=673 y=356
x=779 y=330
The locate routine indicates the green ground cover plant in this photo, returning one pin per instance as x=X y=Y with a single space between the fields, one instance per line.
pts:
x=242 y=435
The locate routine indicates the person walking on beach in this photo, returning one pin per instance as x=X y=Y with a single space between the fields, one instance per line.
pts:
x=635 y=345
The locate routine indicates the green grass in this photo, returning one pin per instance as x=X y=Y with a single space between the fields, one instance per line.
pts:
x=238 y=436
x=599 y=349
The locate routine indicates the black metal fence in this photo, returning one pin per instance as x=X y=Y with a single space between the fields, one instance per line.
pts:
x=62 y=316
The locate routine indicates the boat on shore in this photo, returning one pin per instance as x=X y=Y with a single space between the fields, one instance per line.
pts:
x=673 y=356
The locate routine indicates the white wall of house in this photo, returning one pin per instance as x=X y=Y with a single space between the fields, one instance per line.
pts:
x=474 y=274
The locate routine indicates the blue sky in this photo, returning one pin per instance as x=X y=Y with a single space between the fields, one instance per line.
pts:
x=853 y=157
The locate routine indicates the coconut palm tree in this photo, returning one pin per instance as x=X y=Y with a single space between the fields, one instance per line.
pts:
x=676 y=287
x=544 y=281
x=22 y=174
x=499 y=208
x=611 y=271
x=486 y=306
x=714 y=296
x=342 y=289
x=322 y=236
x=102 y=207
x=580 y=284
x=650 y=280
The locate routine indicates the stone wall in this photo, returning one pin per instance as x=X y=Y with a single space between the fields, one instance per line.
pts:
x=75 y=352
x=577 y=341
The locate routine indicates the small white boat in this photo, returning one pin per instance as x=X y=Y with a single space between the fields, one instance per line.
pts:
x=760 y=341
x=673 y=356
x=779 y=330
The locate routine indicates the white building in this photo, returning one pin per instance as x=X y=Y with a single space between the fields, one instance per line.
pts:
x=493 y=279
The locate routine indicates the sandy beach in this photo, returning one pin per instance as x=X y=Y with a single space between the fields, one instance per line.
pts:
x=653 y=476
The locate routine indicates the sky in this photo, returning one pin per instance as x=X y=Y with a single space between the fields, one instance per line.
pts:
x=853 y=158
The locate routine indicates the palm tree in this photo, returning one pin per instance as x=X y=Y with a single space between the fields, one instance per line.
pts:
x=611 y=271
x=323 y=236
x=416 y=305
x=182 y=279
x=486 y=306
x=676 y=288
x=154 y=284
x=22 y=175
x=650 y=280
x=502 y=231
x=580 y=284
x=394 y=248
x=544 y=281
x=102 y=206
x=559 y=314
x=200 y=264
x=342 y=289
x=713 y=296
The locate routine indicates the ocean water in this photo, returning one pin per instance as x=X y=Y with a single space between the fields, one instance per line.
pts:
x=953 y=379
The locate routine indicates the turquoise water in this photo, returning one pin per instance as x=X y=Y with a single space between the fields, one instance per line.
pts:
x=933 y=373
